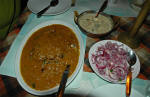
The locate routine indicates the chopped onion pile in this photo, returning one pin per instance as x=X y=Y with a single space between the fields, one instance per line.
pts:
x=110 y=60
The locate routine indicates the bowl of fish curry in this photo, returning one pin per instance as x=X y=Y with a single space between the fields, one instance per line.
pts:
x=43 y=55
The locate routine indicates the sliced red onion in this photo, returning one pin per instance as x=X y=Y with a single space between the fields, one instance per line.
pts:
x=110 y=60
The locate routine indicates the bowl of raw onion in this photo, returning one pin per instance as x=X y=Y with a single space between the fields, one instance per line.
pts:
x=108 y=59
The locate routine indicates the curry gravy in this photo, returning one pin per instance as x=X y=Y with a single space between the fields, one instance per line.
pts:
x=46 y=54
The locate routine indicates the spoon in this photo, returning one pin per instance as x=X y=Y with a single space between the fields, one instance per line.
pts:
x=52 y=3
x=63 y=82
x=131 y=61
x=102 y=8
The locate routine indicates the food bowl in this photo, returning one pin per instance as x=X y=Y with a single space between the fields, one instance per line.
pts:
x=108 y=59
x=28 y=39
x=93 y=26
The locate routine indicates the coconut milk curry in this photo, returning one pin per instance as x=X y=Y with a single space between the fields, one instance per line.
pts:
x=46 y=54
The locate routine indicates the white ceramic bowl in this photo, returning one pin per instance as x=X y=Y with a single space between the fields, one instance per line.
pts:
x=135 y=67
x=18 y=57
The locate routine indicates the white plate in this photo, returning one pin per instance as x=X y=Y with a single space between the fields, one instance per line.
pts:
x=19 y=52
x=37 y=5
x=136 y=67
x=113 y=90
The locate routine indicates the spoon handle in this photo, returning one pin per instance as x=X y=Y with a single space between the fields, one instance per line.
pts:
x=63 y=82
x=129 y=83
x=43 y=11
x=102 y=8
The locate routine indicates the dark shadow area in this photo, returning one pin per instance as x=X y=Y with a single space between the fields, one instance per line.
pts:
x=23 y=4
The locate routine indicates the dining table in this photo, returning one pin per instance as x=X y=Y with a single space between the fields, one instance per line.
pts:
x=86 y=80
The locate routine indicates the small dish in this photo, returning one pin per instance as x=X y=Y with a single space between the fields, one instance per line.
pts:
x=111 y=72
x=100 y=26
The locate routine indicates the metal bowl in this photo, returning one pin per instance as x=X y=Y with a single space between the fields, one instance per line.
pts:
x=115 y=23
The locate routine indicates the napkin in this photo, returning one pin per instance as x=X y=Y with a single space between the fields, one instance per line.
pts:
x=90 y=81
x=121 y=8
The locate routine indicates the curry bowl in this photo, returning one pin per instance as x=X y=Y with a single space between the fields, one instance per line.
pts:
x=93 y=26
x=43 y=55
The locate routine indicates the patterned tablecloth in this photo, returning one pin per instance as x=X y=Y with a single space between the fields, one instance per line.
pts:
x=9 y=87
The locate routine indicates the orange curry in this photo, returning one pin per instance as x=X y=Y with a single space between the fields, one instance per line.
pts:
x=46 y=54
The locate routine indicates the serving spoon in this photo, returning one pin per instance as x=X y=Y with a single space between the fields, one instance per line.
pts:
x=131 y=61
x=63 y=82
x=104 y=5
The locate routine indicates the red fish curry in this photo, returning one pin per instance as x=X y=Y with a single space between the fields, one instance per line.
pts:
x=46 y=54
